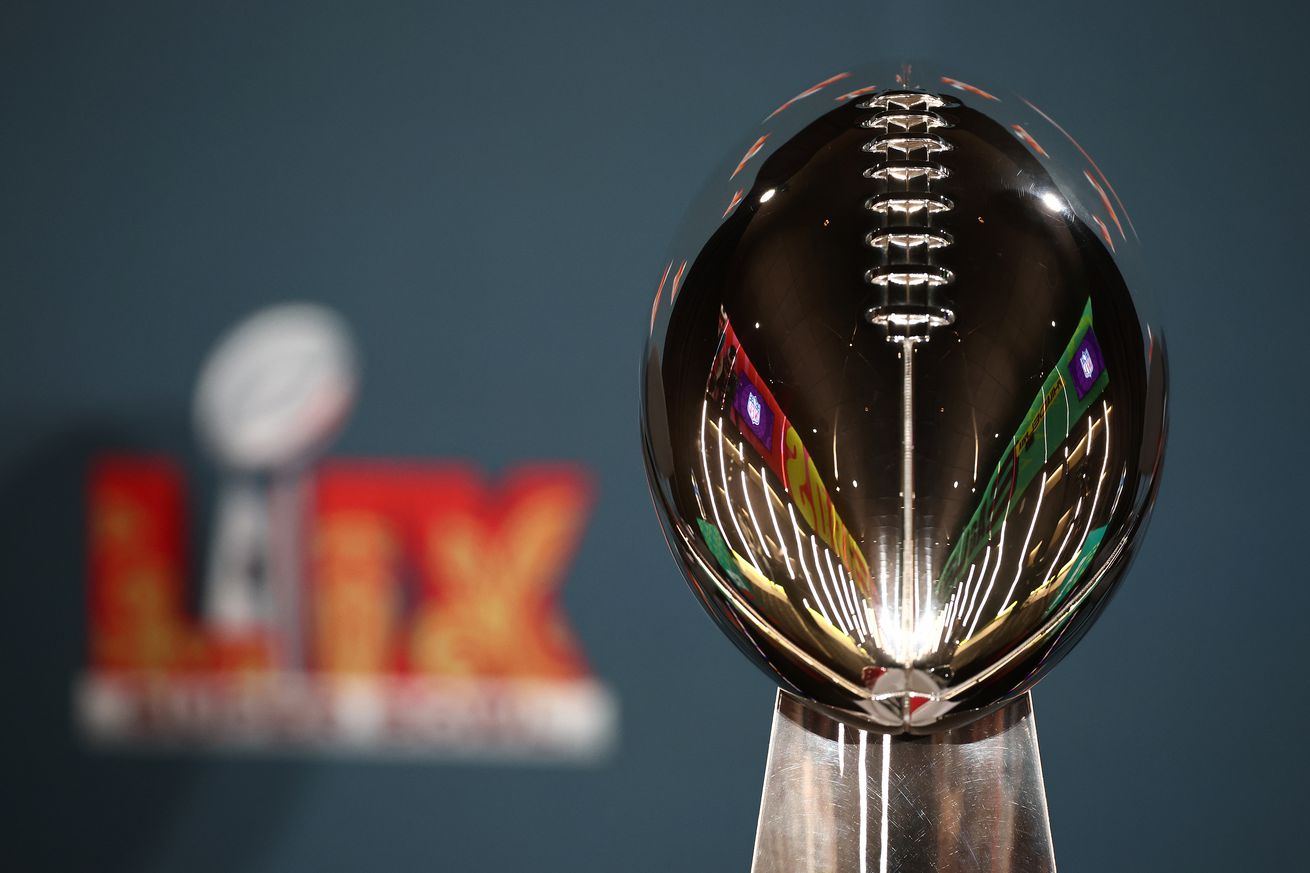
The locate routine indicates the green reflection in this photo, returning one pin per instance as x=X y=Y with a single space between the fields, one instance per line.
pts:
x=1047 y=425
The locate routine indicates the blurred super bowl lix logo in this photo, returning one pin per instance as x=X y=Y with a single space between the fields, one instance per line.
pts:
x=344 y=605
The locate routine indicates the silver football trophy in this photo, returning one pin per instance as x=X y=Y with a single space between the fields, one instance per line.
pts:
x=903 y=422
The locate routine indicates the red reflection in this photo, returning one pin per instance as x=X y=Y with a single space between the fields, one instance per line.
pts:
x=858 y=92
x=808 y=92
x=654 y=307
x=677 y=282
x=732 y=204
x=1105 y=201
x=1027 y=138
x=971 y=89
x=750 y=153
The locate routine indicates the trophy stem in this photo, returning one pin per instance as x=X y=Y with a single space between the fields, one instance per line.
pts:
x=841 y=798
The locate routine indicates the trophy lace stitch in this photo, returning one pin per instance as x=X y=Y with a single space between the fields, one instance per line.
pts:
x=909 y=283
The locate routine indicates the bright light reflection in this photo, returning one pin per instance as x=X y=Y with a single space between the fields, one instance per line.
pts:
x=800 y=556
x=1023 y=552
x=768 y=501
x=750 y=510
x=727 y=498
x=823 y=583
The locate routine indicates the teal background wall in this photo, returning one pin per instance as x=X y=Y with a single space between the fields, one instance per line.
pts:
x=486 y=191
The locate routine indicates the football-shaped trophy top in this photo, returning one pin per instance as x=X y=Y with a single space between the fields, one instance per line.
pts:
x=903 y=417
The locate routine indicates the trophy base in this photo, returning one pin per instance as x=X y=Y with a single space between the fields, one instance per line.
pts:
x=839 y=798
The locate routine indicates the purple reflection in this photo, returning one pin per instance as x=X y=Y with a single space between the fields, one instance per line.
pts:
x=1087 y=364
x=753 y=412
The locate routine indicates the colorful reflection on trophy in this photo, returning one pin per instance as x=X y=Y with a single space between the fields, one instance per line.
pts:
x=775 y=528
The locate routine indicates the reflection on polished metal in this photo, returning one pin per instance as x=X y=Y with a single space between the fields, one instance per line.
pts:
x=838 y=797
x=903 y=418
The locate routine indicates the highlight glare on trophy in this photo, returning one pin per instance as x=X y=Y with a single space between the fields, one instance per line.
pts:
x=903 y=422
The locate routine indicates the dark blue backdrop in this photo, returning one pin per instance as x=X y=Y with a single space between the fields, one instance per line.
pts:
x=486 y=191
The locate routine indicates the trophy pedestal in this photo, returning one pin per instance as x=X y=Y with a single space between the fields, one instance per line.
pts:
x=840 y=798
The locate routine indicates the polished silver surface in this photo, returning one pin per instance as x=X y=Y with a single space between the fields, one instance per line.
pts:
x=904 y=396
x=840 y=797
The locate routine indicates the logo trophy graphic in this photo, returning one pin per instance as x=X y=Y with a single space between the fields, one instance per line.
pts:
x=270 y=398
x=358 y=606
x=903 y=422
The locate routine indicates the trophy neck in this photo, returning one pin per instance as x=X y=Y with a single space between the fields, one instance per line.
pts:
x=841 y=798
